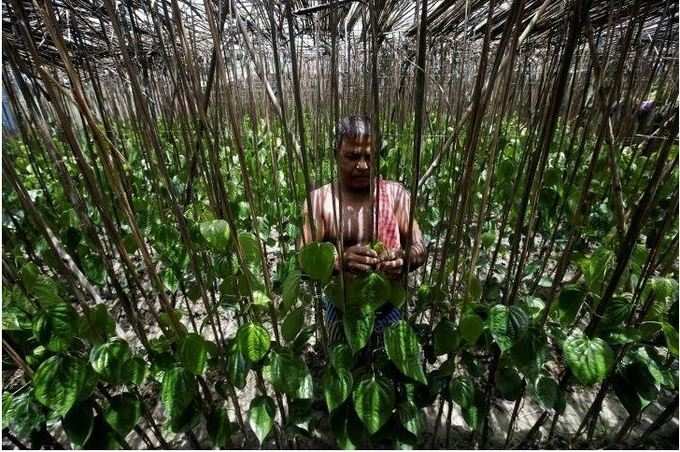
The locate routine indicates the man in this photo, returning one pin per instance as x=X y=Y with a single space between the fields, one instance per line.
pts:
x=353 y=156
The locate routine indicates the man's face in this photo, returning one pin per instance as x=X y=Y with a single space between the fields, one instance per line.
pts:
x=355 y=162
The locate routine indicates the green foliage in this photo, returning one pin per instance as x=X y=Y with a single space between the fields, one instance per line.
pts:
x=358 y=326
x=216 y=233
x=261 y=417
x=60 y=381
x=337 y=386
x=374 y=401
x=253 y=341
x=588 y=358
x=109 y=360
x=78 y=423
x=194 y=353
x=177 y=391
x=219 y=428
x=507 y=325
x=404 y=350
x=123 y=412
x=56 y=327
x=317 y=260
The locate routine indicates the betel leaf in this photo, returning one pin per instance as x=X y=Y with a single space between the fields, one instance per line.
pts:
x=15 y=319
x=474 y=288
x=347 y=427
x=59 y=381
x=250 y=246
x=306 y=388
x=374 y=400
x=135 y=371
x=615 y=313
x=358 y=326
x=237 y=367
x=78 y=423
x=507 y=324
x=509 y=383
x=411 y=417
x=337 y=386
x=445 y=337
x=216 y=233
x=640 y=377
x=45 y=290
x=219 y=428
x=109 y=359
x=178 y=389
x=7 y=408
x=286 y=372
x=292 y=324
x=671 y=338
x=102 y=437
x=260 y=298
x=261 y=416
x=462 y=391
x=471 y=328
x=96 y=325
x=403 y=348
x=627 y=394
x=340 y=357
x=56 y=326
x=371 y=290
x=25 y=416
x=547 y=392
x=253 y=341
x=568 y=304
x=397 y=295
x=194 y=353
x=123 y=412
x=290 y=290
x=589 y=359
x=317 y=260
x=471 y=416
x=189 y=418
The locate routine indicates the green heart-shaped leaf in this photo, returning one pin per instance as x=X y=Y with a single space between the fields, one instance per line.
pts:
x=253 y=341
x=317 y=260
x=59 y=381
x=337 y=386
x=403 y=348
x=261 y=416
x=194 y=353
x=123 y=412
x=589 y=359
x=374 y=401
x=178 y=390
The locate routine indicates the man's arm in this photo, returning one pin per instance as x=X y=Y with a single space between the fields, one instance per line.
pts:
x=319 y=227
x=397 y=263
x=417 y=252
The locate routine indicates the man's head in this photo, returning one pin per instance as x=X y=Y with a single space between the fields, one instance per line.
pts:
x=353 y=136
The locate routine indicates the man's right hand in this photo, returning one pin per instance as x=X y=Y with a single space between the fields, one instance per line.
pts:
x=359 y=259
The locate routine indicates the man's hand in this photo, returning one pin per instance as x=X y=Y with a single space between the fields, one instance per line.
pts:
x=359 y=259
x=392 y=263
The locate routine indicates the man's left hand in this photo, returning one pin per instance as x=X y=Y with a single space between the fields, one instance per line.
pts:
x=392 y=264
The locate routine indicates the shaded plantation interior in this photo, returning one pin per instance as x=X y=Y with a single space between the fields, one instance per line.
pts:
x=156 y=160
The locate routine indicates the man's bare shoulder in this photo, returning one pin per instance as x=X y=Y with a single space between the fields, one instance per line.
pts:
x=321 y=190
x=396 y=188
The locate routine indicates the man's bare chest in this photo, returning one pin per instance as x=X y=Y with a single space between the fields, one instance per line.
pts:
x=356 y=220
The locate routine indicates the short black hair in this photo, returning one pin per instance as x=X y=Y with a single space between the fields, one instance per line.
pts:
x=353 y=127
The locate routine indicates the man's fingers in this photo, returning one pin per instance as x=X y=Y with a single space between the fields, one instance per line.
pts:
x=363 y=250
x=357 y=267
x=387 y=265
x=353 y=257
